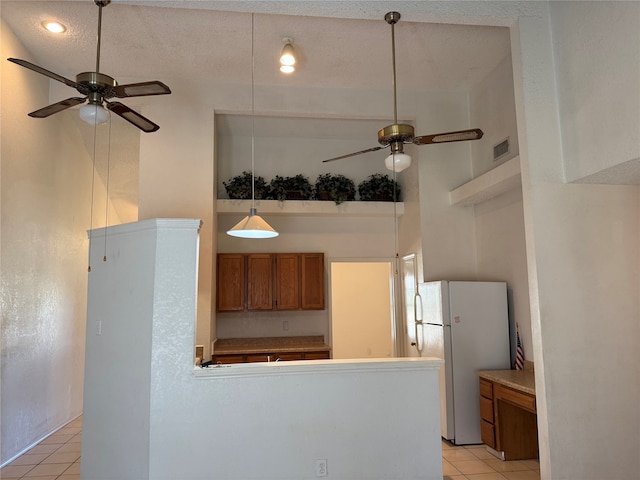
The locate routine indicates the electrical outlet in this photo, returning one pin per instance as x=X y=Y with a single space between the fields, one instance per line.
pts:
x=285 y=325
x=98 y=327
x=321 y=468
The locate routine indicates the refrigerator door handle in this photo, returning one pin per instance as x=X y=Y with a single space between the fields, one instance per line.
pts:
x=418 y=320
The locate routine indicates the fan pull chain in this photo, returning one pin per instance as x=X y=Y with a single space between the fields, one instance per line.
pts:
x=395 y=223
x=106 y=208
x=93 y=181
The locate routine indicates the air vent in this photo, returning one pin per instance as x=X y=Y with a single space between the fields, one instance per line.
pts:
x=501 y=149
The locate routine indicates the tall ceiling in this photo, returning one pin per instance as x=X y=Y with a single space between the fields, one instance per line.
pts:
x=206 y=44
x=142 y=42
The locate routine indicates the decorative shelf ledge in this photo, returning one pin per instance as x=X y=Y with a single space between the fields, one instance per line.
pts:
x=501 y=179
x=310 y=207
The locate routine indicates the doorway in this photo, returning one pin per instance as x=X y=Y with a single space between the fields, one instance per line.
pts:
x=362 y=310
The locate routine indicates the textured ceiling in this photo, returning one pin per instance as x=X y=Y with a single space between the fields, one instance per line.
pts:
x=201 y=44
x=141 y=42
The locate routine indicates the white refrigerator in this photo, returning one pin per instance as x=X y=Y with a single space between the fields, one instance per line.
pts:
x=467 y=325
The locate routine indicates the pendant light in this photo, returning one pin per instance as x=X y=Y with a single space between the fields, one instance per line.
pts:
x=252 y=226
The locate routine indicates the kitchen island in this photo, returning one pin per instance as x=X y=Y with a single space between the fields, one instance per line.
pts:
x=149 y=414
x=270 y=349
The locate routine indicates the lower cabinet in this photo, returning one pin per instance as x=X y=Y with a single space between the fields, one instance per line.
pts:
x=487 y=425
x=270 y=357
x=508 y=420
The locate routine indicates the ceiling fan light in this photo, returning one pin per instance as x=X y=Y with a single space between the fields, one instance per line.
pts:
x=94 y=114
x=252 y=226
x=397 y=162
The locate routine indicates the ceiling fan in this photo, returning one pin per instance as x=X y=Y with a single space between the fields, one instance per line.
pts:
x=97 y=88
x=396 y=135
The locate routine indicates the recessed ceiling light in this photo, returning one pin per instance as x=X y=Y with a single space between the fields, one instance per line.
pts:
x=54 y=27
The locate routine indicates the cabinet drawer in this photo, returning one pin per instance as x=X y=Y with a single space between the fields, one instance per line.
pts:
x=285 y=357
x=317 y=355
x=257 y=357
x=486 y=409
x=488 y=433
x=523 y=400
x=228 y=358
x=486 y=388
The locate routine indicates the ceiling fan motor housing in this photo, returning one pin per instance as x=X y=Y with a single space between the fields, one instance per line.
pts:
x=396 y=133
x=95 y=85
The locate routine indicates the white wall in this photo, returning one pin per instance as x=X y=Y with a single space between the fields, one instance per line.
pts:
x=45 y=198
x=499 y=222
x=596 y=56
x=583 y=257
x=448 y=233
x=177 y=179
x=502 y=256
x=493 y=109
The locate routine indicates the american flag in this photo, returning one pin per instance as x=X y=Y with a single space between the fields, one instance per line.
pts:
x=519 y=362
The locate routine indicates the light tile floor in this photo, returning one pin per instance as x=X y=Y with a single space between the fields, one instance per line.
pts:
x=58 y=458
x=55 y=458
x=474 y=462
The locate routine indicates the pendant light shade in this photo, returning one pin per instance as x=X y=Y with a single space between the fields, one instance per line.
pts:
x=397 y=162
x=252 y=226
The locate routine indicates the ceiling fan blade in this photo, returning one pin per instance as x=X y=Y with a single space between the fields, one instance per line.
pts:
x=353 y=154
x=141 y=89
x=43 y=71
x=132 y=116
x=57 y=107
x=460 y=136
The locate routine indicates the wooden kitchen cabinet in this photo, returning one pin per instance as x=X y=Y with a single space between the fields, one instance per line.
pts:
x=320 y=355
x=287 y=281
x=312 y=281
x=266 y=281
x=487 y=425
x=259 y=281
x=508 y=419
x=270 y=357
x=231 y=282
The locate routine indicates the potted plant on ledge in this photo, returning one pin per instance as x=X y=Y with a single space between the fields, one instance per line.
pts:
x=379 y=188
x=239 y=187
x=291 y=188
x=335 y=187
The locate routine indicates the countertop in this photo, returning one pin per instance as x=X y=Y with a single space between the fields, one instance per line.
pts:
x=521 y=380
x=238 y=346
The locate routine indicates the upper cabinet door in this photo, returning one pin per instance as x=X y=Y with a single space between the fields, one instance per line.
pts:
x=231 y=282
x=312 y=281
x=287 y=281
x=260 y=281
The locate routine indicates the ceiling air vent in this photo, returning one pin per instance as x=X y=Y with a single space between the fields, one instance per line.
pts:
x=501 y=149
